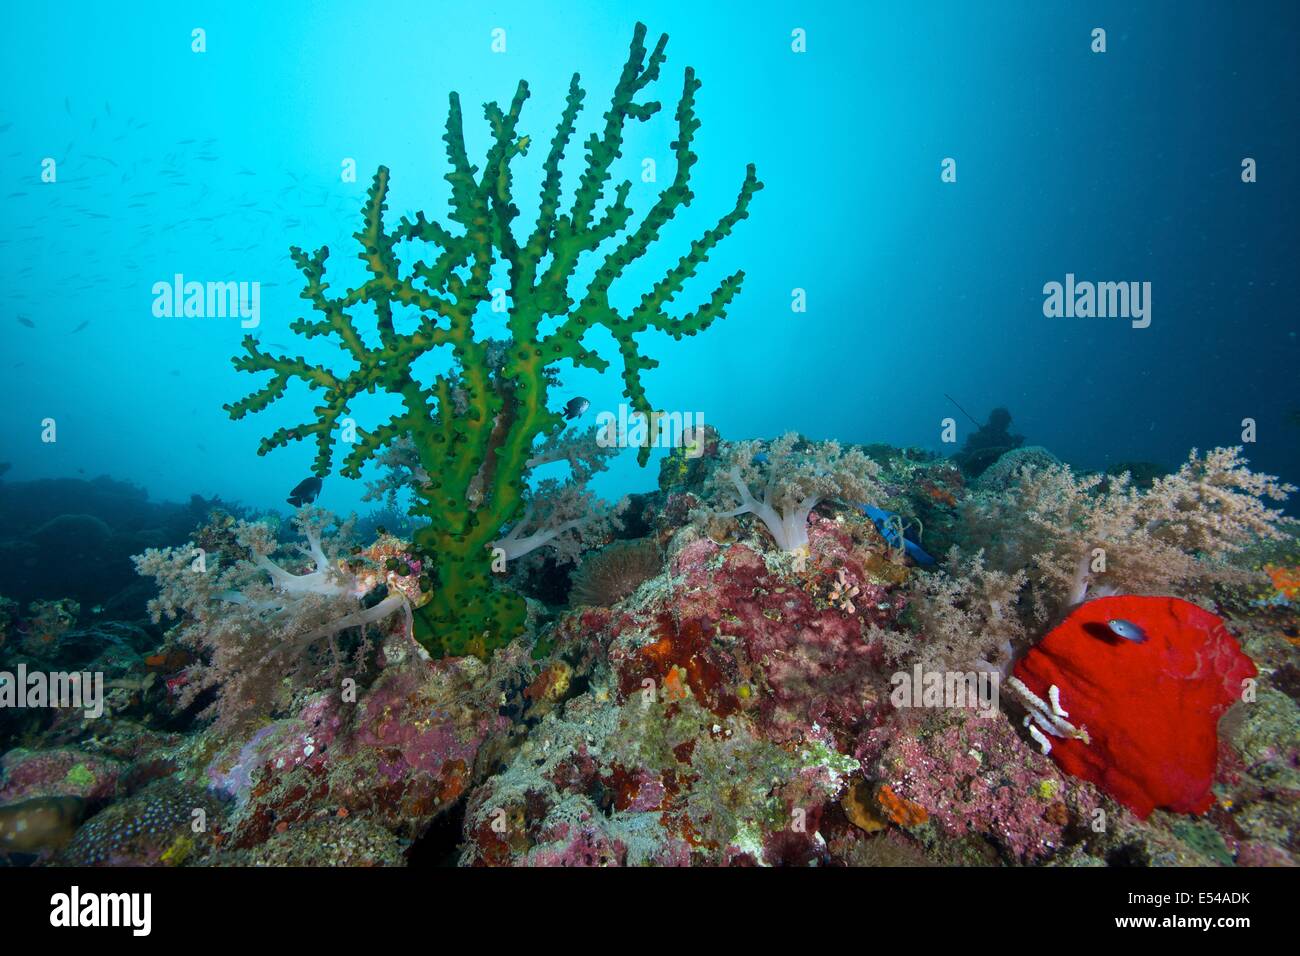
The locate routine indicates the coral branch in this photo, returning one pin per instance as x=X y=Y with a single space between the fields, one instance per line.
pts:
x=471 y=438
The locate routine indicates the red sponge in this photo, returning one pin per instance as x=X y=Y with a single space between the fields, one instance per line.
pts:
x=1150 y=706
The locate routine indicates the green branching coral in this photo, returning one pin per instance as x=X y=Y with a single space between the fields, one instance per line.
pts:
x=475 y=426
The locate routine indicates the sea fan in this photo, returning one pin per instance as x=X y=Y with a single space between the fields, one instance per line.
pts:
x=615 y=571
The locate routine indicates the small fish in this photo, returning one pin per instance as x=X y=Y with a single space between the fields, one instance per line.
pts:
x=1127 y=630
x=576 y=408
x=23 y=320
x=80 y=327
x=305 y=492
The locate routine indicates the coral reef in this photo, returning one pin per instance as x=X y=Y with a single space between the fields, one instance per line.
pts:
x=59 y=771
x=398 y=757
x=321 y=843
x=974 y=776
x=706 y=698
x=475 y=428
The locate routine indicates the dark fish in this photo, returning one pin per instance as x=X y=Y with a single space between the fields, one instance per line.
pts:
x=1127 y=630
x=576 y=407
x=305 y=492
x=23 y=320
x=80 y=327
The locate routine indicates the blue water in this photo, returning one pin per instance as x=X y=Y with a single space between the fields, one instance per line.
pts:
x=1122 y=166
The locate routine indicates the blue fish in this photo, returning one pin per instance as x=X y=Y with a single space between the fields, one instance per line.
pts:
x=887 y=524
x=1127 y=630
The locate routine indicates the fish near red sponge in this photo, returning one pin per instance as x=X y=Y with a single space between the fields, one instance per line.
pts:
x=1137 y=715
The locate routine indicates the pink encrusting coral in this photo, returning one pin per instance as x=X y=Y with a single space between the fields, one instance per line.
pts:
x=64 y=771
x=815 y=660
x=722 y=696
x=398 y=756
x=975 y=776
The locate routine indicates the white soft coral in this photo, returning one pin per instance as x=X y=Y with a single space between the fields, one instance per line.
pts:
x=797 y=476
x=328 y=580
x=565 y=516
x=789 y=526
x=259 y=628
